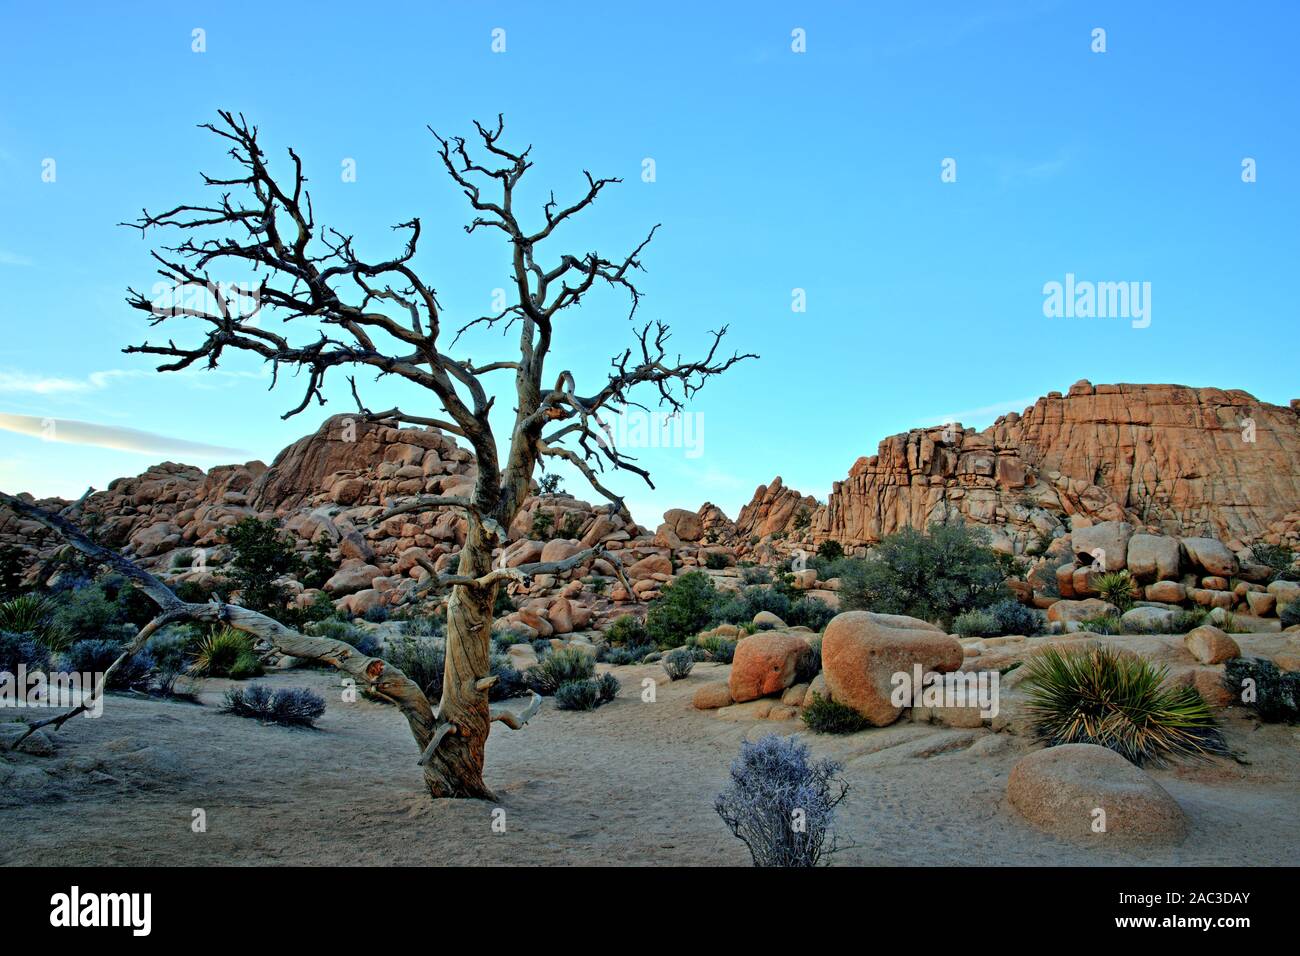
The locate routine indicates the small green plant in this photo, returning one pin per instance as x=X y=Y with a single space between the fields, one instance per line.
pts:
x=577 y=695
x=975 y=624
x=320 y=566
x=543 y=525
x=825 y=716
x=608 y=687
x=548 y=484
x=1120 y=701
x=422 y=658
x=225 y=652
x=1117 y=587
x=559 y=668
x=720 y=649
x=32 y=614
x=1187 y=619
x=678 y=663
x=715 y=561
x=830 y=551
x=1102 y=624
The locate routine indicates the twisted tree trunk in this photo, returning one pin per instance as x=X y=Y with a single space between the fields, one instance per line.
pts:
x=455 y=768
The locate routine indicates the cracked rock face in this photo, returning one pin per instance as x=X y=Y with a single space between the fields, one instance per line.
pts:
x=1189 y=462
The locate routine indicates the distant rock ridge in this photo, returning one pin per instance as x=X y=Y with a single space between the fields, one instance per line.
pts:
x=1166 y=458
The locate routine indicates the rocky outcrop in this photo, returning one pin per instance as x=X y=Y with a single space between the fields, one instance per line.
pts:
x=1168 y=459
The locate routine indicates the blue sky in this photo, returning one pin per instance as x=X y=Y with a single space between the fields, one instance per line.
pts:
x=775 y=170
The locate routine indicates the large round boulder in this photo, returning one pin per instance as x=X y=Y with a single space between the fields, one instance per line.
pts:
x=1083 y=791
x=765 y=663
x=862 y=651
x=1084 y=610
x=1209 y=645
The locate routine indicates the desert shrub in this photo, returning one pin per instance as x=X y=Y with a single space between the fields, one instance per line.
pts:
x=1102 y=624
x=548 y=484
x=715 y=561
x=678 y=663
x=543 y=524
x=1117 y=587
x=683 y=609
x=1276 y=693
x=260 y=556
x=375 y=614
x=1012 y=617
x=421 y=658
x=771 y=780
x=319 y=566
x=830 y=551
x=812 y=613
x=824 y=716
x=23 y=649
x=1120 y=701
x=1280 y=558
x=294 y=707
x=86 y=613
x=975 y=624
x=607 y=687
x=933 y=576
x=741 y=606
x=1290 y=615
x=620 y=656
x=32 y=614
x=96 y=656
x=628 y=630
x=560 y=667
x=756 y=574
x=510 y=682
x=720 y=649
x=225 y=652
x=542 y=647
x=577 y=695
x=192 y=592
x=1187 y=619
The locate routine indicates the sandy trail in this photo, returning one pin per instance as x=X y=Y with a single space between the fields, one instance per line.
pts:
x=631 y=783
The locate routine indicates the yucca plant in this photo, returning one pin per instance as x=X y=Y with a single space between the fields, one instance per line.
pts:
x=31 y=614
x=1120 y=701
x=225 y=652
x=1117 y=587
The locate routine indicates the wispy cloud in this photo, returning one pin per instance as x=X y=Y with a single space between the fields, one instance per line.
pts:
x=30 y=383
x=13 y=259
x=71 y=432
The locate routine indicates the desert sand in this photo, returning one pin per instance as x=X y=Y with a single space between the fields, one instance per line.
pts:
x=630 y=783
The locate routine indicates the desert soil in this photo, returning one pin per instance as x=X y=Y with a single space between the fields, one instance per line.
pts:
x=631 y=783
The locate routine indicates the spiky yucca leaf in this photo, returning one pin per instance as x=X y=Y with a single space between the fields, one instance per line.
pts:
x=30 y=614
x=1120 y=701
x=1117 y=587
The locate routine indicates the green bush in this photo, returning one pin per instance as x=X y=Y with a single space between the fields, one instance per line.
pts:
x=683 y=609
x=558 y=668
x=225 y=652
x=1120 y=701
x=607 y=687
x=720 y=649
x=1118 y=588
x=828 y=717
x=715 y=561
x=259 y=557
x=830 y=551
x=756 y=574
x=577 y=695
x=1102 y=624
x=678 y=663
x=421 y=658
x=933 y=576
x=628 y=630
x=975 y=624
x=33 y=614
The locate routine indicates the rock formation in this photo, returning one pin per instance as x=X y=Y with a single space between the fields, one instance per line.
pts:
x=1166 y=458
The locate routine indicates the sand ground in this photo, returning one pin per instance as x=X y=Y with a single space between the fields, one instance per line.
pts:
x=631 y=783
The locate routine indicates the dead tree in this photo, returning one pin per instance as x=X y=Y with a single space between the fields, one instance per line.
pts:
x=352 y=314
